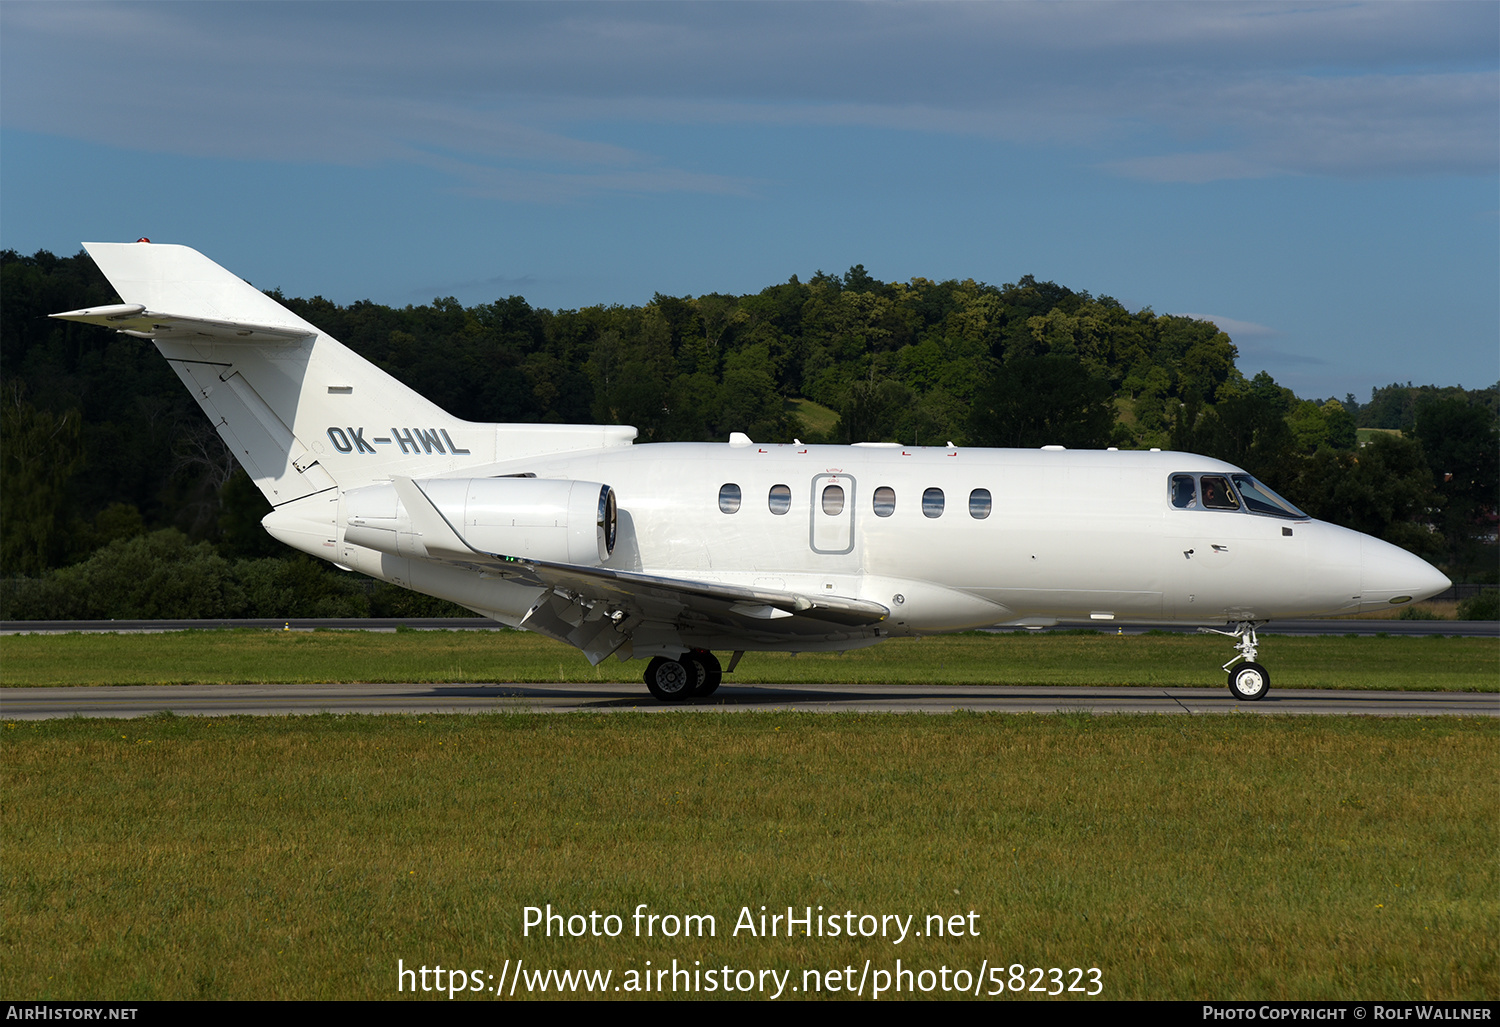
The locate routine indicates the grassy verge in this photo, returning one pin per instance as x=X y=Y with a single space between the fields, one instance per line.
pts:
x=1085 y=658
x=816 y=419
x=1223 y=857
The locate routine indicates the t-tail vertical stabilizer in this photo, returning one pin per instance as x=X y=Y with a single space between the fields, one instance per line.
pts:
x=300 y=411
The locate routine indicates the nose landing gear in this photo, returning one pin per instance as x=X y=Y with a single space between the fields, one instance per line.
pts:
x=1249 y=681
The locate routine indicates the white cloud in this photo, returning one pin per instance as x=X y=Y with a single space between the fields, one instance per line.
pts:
x=1236 y=329
x=1253 y=354
x=1191 y=167
x=1255 y=345
x=1185 y=93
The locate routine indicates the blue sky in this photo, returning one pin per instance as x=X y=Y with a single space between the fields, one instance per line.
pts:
x=1321 y=179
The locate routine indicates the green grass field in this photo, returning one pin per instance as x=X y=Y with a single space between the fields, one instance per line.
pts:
x=1084 y=658
x=302 y=857
x=1216 y=857
x=815 y=418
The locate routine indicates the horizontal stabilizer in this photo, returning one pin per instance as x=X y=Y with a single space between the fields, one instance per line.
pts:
x=134 y=319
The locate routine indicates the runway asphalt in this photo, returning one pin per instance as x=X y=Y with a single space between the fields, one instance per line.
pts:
x=270 y=700
x=1456 y=628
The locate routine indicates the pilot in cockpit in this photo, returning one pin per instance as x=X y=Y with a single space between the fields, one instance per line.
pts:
x=1184 y=495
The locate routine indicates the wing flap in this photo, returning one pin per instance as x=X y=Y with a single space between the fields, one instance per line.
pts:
x=736 y=601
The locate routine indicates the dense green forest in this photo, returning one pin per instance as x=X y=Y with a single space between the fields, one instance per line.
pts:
x=117 y=498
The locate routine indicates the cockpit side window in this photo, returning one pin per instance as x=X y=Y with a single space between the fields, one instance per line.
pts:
x=1261 y=500
x=1184 y=491
x=1217 y=495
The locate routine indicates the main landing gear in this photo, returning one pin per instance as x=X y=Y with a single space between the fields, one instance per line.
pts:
x=1249 y=681
x=693 y=675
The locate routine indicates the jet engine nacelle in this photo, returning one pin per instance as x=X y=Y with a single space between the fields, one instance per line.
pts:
x=531 y=518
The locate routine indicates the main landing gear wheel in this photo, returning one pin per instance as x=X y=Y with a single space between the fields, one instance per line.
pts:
x=703 y=671
x=1249 y=681
x=669 y=680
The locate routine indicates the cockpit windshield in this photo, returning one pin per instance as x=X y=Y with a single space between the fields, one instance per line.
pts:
x=1261 y=500
x=1214 y=492
x=1217 y=495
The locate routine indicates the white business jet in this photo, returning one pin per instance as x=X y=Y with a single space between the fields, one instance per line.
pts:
x=667 y=552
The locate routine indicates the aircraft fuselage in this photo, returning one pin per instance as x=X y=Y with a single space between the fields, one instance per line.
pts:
x=946 y=538
x=666 y=552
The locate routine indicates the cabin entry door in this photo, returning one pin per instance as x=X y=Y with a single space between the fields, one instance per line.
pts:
x=832 y=513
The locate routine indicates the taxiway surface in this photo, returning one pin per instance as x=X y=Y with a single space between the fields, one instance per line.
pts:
x=273 y=700
x=1456 y=628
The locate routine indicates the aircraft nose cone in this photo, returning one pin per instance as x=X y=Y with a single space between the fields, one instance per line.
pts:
x=1389 y=573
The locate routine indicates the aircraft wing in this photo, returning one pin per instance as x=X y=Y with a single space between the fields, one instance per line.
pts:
x=135 y=319
x=599 y=608
x=742 y=603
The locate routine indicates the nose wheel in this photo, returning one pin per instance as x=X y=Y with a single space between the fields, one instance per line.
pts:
x=1248 y=681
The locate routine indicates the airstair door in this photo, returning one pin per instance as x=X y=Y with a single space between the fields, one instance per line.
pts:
x=832 y=513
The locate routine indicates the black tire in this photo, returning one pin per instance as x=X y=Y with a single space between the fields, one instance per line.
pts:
x=1249 y=682
x=668 y=680
x=704 y=669
x=697 y=670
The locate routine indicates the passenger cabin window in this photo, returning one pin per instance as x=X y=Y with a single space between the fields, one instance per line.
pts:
x=932 y=503
x=1217 y=495
x=833 y=500
x=885 y=501
x=729 y=498
x=1184 y=492
x=780 y=499
x=1261 y=500
x=979 y=504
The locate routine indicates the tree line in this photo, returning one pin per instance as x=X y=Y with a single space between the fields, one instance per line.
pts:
x=103 y=447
